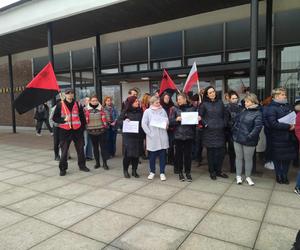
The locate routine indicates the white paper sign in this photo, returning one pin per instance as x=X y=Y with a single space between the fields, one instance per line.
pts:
x=159 y=122
x=288 y=119
x=189 y=118
x=130 y=127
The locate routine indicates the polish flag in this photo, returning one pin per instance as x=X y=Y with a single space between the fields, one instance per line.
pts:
x=192 y=79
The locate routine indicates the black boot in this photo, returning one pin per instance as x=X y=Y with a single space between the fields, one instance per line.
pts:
x=285 y=180
x=126 y=174
x=278 y=179
x=105 y=165
x=97 y=165
x=134 y=173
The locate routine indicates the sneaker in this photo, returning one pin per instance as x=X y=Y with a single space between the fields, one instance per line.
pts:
x=249 y=181
x=151 y=176
x=181 y=177
x=297 y=190
x=239 y=180
x=163 y=177
x=51 y=134
x=189 y=178
x=38 y=134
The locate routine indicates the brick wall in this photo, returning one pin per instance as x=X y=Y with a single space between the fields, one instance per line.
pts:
x=22 y=74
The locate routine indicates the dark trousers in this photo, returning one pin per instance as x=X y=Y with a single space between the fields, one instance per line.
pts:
x=56 y=140
x=111 y=142
x=100 y=140
x=66 y=137
x=162 y=160
x=215 y=158
x=281 y=167
x=39 y=124
x=183 y=156
x=127 y=160
x=170 y=151
x=197 y=146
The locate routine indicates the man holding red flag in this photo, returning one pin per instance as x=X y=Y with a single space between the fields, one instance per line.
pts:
x=71 y=119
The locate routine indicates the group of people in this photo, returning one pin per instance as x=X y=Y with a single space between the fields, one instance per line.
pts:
x=234 y=127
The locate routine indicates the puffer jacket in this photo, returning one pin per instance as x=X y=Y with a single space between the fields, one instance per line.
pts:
x=282 y=141
x=182 y=132
x=247 y=126
x=214 y=120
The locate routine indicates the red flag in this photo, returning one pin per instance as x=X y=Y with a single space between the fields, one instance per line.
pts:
x=167 y=84
x=192 y=79
x=41 y=89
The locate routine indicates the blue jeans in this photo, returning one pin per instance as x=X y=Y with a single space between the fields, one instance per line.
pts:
x=298 y=180
x=162 y=160
x=111 y=141
x=88 y=147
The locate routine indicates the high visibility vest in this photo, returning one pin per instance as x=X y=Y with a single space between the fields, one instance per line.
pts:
x=74 y=123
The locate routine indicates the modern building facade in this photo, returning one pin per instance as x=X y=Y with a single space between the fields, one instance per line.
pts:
x=110 y=46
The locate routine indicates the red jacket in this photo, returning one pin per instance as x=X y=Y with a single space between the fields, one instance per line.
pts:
x=297 y=126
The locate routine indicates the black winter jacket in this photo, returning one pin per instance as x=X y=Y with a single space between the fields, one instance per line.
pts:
x=182 y=132
x=282 y=141
x=247 y=127
x=214 y=120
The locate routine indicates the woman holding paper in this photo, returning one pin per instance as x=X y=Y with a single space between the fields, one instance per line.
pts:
x=131 y=139
x=282 y=138
x=155 y=124
x=184 y=134
x=215 y=120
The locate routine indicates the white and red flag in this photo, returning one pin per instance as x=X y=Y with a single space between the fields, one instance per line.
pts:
x=192 y=79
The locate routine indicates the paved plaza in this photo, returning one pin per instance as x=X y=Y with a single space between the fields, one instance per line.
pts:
x=101 y=209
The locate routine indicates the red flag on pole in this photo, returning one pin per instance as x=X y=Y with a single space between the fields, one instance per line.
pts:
x=192 y=79
x=167 y=84
x=41 y=89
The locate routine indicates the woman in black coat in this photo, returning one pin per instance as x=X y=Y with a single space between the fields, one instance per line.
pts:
x=183 y=138
x=214 y=119
x=246 y=129
x=282 y=139
x=131 y=141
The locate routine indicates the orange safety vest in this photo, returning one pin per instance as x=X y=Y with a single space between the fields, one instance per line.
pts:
x=75 y=119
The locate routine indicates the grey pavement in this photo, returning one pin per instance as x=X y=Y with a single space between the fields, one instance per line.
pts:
x=102 y=210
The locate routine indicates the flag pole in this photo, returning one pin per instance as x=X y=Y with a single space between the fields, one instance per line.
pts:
x=63 y=105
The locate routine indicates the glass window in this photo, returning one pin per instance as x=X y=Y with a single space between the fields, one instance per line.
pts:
x=143 y=66
x=244 y=55
x=290 y=81
x=130 y=68
x=63 y=80
x=170 y=64
x=115 y=92
x=290 y=58
x=110 y=71
x=205 y=60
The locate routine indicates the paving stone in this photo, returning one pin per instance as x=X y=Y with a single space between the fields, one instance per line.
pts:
x=195 y=198
x=8 y=218
x=158 y=191
x=266 y=183
x=70 y=191
x=135 y=205
x=125 y=185
x=172 y=180
x=249 y=193
x=98 y=180
x=273 y=237
x=149 y=235
x=285 y=199
x=195 y=242
x=104 y=226
x=15 y=194
x=177 y=215
x=284 y=216
x=239 y=207
x=26 y=234
x=10 y=174
x=49 y=172
x=47 y=184
x=69 y=241
x=210 y=186
x=24 y=179
x=100 y=197
x=36 y=204
x=35 y=167
x=229 y=228
x=17 y=164
x=4 y=186
x=67 y=214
